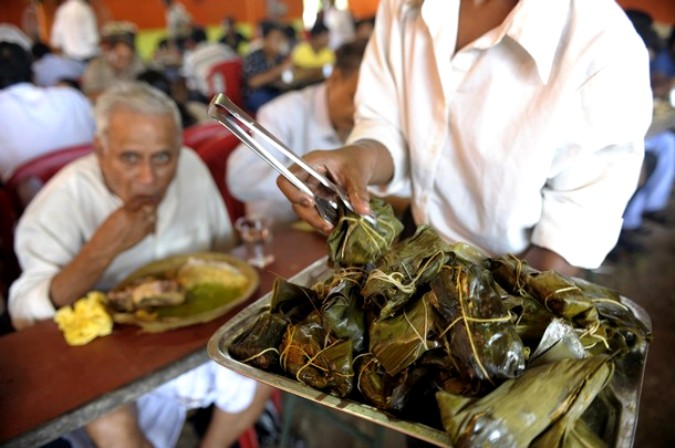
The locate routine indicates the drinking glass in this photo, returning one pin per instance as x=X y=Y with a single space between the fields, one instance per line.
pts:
x=256 y=234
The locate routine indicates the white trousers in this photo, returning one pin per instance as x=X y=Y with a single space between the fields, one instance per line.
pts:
x=162 y=411
x=654 y=194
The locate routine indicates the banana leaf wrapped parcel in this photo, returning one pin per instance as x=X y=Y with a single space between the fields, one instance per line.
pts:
x=520 y=409
x=342 y=311
x=405 y=268
x=313 y=358
x=355 y=242
x=491 y=350
x=476 y=327
x=259 y=344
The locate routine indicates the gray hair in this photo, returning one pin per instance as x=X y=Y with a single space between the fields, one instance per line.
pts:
x=138 y=97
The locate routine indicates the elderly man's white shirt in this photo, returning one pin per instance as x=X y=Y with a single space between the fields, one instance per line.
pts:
x=36 y=120
x=300 y=120
x=75 y=31
x=72 y=206
x=533 y=133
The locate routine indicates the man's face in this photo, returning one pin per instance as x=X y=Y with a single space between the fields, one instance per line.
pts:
x=141 y=155
x=340 y=91
x=121 y=56
x=320 y=41
x=274 y=42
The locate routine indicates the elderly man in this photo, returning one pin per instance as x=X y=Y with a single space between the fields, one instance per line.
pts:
x=131 y=202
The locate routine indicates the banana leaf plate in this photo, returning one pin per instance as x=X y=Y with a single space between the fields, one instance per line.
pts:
x=203 y=302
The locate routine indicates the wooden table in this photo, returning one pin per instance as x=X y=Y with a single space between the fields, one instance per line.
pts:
x=48 y=388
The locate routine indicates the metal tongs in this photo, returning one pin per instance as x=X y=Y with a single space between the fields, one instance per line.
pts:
x=327 y=199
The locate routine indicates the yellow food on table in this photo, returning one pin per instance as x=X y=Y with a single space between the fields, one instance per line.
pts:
x=196 y=271
x=85 y=320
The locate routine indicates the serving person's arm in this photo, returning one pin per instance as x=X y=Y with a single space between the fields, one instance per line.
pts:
x=544 y=260
x=594 y=174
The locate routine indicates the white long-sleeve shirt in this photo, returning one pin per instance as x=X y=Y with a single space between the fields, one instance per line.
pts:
x=300 y=120
x=37 y=120
x=75 y=31
x=72 y=206
x=531 y=134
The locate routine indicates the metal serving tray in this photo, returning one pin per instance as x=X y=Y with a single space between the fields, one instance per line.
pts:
x=626 y=383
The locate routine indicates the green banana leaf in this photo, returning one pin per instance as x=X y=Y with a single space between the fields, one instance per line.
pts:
x=520 y=409
x=472 y=319
x=314 y=359
x=399 y=341
x=342 y=313
x=403 y=269
x=354 y=242
x=259 y=344
x=386 y=392
x=528 y=315
x=555 y=291
x=293 y=301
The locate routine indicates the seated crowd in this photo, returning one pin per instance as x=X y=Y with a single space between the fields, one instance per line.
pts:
x=131 y=199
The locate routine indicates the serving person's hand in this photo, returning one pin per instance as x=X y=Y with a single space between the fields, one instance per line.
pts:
x=353 y=167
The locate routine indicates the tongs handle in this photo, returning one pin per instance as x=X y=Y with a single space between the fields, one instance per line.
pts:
x=235 y=119
x=221 y=100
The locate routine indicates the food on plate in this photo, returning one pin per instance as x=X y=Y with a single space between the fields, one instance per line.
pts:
x=198 y=271
x=85 y=320
x=145 y=293
x=172 y=287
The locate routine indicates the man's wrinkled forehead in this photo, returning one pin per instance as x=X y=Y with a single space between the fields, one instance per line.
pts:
x=122 y=113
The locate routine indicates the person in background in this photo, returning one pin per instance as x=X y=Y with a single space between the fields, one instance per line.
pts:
x=363 y=28
x=50 y=69
x=199 y=58
x=513 y=121
x=119 y=61
x=658 y=170
x=663 y=69
x=231 y=36
x=167 y=58
x=75 y=31
x=312 y=56
x=263 y=68
x=178 y=22
x=104 y=216
x=319 y=116
x=160 y=82
x=35 y=120
x=340 y=23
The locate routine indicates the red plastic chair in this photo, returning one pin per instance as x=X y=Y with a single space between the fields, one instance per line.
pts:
x=197 y=134
x=227 y=77
x=215 y=152
x=42 y=168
